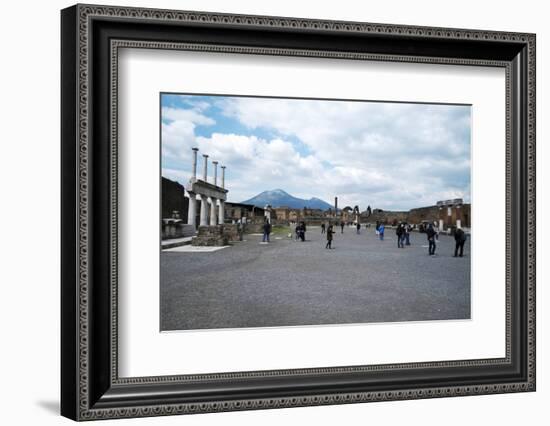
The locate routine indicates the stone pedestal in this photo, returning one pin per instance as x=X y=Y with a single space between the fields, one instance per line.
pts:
x=233 y=232
x=210 y=236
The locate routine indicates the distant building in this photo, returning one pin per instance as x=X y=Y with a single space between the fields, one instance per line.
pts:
x=446 y=215
x=453 y=213
x=243 y=213
x=282 y=213
x=347 y=214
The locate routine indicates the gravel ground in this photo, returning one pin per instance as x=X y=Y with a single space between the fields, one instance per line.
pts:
x=287 y=283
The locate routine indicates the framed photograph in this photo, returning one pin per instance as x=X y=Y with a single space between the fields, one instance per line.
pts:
x=263 y=212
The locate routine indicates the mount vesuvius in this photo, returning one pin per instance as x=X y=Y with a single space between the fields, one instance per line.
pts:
x=280 y=198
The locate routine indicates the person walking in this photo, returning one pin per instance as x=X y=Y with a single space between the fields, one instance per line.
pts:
x=431 y=234
x=460 y=239
x=342 y=227
x=322 y=228
x=358 y=228
x=330 y=233
x=267 y=231
x=399 y=232
x=381 y=229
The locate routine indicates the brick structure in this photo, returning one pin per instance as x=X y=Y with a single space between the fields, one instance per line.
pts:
x=445 y=214
x=233 y=232
x=388 y=217
x=243 y=213
x=282 y=213
x=453 y=213
x=211 y=236
x=423 y=214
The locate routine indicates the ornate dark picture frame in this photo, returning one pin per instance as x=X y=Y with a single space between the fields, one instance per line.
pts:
x=90 y=385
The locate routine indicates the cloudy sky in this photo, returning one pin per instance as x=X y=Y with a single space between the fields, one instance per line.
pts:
x=387 y=155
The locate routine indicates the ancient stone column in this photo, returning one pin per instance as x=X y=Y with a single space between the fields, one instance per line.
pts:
x=192 y=211
x=204 y=211
x=195 y=162
x=223 y=177
x=213 y=220
x=215 y=172
x=221 y=215
x=205 y=168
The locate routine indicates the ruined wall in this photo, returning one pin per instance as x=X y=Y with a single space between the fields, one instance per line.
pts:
x=387 y=217
x=421 y=214
x=173 y=199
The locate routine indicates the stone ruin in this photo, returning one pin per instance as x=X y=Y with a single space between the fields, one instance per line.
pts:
x=212 y=205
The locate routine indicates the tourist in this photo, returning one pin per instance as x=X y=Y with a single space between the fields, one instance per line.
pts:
x=330 y=233
x=381 y=229
x=399 y=231
x=431 y=234
x=460 y=239
x=267 y=231
x=342 y=226
x=322 y=228
x=408 y=229
x=358 y=228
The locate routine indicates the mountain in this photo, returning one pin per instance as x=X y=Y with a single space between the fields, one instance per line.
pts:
x=280 y=198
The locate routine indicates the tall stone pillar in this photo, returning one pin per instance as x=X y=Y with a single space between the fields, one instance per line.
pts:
x=205 y=168
x=204 y=211
x=195 y=163
x=223 y=177
x=221 y=215
x=215 y=172
x=192 y=210
x=213 y=220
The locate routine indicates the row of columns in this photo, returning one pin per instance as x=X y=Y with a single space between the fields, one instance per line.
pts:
x=209 y=205
x=205 y=168
x=212 y=210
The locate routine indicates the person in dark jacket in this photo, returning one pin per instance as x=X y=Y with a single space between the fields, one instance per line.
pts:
x=330 y=233
x=460 y=239
x=431 y=234
x=400 y=235
x=323 y=228
x=303 y=231
x=358 y=226
x=267 y=231
x=342 y=227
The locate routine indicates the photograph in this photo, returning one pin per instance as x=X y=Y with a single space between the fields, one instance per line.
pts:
x=280 y=211
x=275 y=207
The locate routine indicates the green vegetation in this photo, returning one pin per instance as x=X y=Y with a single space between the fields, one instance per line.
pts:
x=280 y=230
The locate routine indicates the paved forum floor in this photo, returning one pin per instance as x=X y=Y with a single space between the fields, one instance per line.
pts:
x=301 y=283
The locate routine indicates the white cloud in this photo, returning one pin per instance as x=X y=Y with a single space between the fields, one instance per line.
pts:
x=386 y=155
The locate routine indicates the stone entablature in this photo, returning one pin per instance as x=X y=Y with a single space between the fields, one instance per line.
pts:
x=207 y=189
